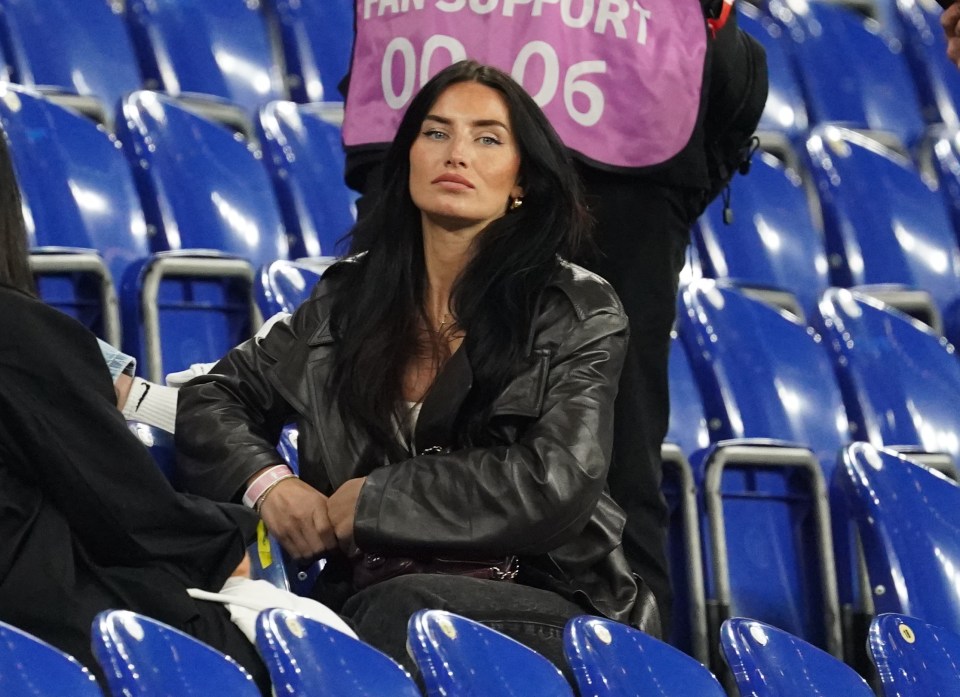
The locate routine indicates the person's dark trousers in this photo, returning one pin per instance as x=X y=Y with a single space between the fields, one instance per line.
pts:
x=642 y=232
x=534 y=617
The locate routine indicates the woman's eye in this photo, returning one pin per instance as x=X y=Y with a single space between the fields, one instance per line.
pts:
x=489 y=140
x=434 y=134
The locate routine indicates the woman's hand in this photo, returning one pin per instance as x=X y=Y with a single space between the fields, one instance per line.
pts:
x=342 y=508
x=296 y=514
x=949 y=20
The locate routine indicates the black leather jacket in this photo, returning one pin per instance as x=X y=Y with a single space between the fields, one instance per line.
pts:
x=540 y=494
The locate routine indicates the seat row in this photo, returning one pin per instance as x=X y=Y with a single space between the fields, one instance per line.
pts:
x=240 y=55
x=459 y=657
x=171 y=216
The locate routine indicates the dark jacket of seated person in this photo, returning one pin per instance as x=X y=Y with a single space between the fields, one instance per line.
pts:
x=536 y=488
x=88 y=522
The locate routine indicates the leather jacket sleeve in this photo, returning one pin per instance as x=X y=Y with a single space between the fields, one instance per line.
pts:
x=229 y=421
x=528 y=497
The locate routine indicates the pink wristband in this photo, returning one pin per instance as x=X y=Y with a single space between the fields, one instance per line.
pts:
x=264 y=482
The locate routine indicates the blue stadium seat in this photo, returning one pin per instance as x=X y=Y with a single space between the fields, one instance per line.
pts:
x=30 y=667
x=304 y=154
x=943 y=160
x=885 y=225
x=219 y=48
x=900 y=380
x=909 y=521
x=934 y=74
x=853 y=74
x=209 y=202
x=771 y=246
x=768 y=662
x=777 y=421
x=84 y=220
x=610 y=659
x=317 y=40
x=785 y=111
x=687 y=436
x=142 y=657
x=77 y=52
x=309 y=659
x=913 y=658
x=458 y=656
x=284 y=285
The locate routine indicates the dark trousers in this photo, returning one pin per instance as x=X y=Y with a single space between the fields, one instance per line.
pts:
x=642 y=232
x=532 y=616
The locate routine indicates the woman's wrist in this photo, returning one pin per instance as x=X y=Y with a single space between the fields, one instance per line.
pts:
x=263 y=483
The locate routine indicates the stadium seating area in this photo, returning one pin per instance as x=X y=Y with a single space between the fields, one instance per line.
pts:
x=181 y=174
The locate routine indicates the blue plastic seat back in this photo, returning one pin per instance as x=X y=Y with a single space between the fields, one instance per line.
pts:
x=913 y=658
x=610 y=659
x=761 y=373
x=769 y=662
x=76 y=185
x=935 y=75
x=900 y=380
x=203 y=186
x=909 y=522
x=142 y=657
x=213 y=47
x=285 y=285
x=309 y=659
x=459 y=656
x=305 y=157
x=785 y=110
x=317 y=41
x=74 y=46
x=853 y=74
x=771 y=242
x=688 y=423
x=34 y=668
x=883 y=224
x=945 y=150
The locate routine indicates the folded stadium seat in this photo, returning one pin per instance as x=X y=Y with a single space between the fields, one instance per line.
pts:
x=76 y=52
x=457 y=656
x=768 y=662
x=908 y=516
x=317 y=40
x=304 y=154
x=777 y=422
x=884 y=224
x=941 y=161
x=29 y=666
x=913 y=658
x=218 y=50
x=935 y=75
x=142 y=657
x=687 y=435
x=611 y=659
x=309 y=659
x=771 y=249
x=852 y=73
x=784 y=119
x=284 y=285
x=900 y=380
x=210 y=206
x=84 y=220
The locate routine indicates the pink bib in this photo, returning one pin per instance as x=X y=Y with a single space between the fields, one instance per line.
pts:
x=620 y=80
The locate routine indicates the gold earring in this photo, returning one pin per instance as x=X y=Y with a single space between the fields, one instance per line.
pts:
x=516 y=203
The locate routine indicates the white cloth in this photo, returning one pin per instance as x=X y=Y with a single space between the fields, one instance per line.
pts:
x=151 y=404
x=246 y=598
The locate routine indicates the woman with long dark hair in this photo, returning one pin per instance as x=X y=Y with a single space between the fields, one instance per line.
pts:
x=453 y=388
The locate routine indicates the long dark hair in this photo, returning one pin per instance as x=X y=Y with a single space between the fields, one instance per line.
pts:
x=377 y=306
x=14 y=267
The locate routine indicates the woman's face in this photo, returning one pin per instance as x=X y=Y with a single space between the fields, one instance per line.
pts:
x=465 y=163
